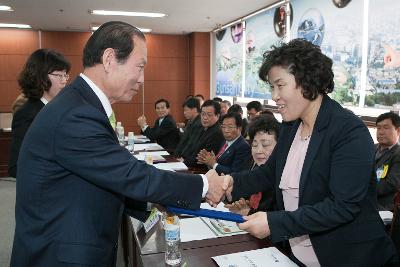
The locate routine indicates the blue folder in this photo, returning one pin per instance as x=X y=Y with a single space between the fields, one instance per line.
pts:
x=214 y=214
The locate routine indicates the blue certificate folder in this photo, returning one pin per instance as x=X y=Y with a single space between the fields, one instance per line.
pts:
x=214 y=214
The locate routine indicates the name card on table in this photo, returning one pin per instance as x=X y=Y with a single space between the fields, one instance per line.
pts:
x=152 y=220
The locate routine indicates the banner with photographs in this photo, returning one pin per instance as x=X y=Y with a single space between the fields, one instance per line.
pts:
x=383 y=84
x=336 y=26
x=228 y=51
x=262 y=31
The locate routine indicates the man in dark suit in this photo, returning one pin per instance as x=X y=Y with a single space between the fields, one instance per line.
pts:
x=210 y=138
x=191 y=111
x=164 y=131
x=234 y=154
x=387 y=159
x=74 y=177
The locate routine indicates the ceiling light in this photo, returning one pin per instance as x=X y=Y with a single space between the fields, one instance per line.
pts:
x=10 y=25
x=6 y=8
x=127 y=13
x=141 y=29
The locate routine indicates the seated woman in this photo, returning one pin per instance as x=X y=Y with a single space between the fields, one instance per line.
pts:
x=263 y=133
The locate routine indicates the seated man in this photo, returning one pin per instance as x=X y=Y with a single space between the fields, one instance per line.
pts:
x=387 y=159
x=210 y=137
x=191 y=111
x=234 y=155
x=164 y=131
x=236 y=108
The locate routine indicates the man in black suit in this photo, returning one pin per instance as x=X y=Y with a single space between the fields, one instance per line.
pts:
x=234 y=154
x=210 y=138
x=191 y=111
x=75 y=177
x=387 y=159
x=164 y=131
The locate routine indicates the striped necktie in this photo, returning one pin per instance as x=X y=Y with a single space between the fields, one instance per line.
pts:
x=112 y=120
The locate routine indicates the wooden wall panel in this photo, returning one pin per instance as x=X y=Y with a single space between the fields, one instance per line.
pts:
x=8 y=92
x=68 y=43
x=199 y=64
x=18 y=42
x=159 y=45
x=166 y=69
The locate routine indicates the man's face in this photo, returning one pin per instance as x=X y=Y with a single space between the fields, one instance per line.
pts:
x=230 y=130
x=162 y=110
x=208 y=117
x=124 y=79
x=189 y=113
x=252 y=113
x=224 y=108
x=387 y=135
x=237 y=32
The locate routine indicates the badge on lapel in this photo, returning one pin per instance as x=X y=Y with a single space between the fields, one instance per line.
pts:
x=381 y=172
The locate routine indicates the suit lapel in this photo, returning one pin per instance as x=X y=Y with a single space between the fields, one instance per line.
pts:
x=385 y=157
x=317 y=136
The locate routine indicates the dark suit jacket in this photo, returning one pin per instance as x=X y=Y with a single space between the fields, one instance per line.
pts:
x=73 y=179
x=389 y=185
x=166 y=134
x=209 y=139
x=22 y=119
x=193 y=129
x=337 y=193
x=236 y=158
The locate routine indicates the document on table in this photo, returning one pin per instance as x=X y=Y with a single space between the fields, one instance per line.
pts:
x=156 y=158
x=147 y=147
x=155 y=153
x=265 y=257
x=177 y=166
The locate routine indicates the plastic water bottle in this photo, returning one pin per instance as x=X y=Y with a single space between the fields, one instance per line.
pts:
x=120 y=133
x=131 y=141
x=173 y=255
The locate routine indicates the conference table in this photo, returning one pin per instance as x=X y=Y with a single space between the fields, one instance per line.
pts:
x=147 y=249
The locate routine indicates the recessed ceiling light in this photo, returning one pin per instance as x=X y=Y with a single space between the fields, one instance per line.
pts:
x=141 y=29
x=11 y=25
x=6 y=8
x=127 y=13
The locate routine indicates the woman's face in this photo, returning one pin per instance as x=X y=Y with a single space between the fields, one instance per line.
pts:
x=58 y=80
x=262 y=146
x=287 y=95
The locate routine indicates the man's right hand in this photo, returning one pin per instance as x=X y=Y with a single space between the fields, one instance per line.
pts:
x=218 y=187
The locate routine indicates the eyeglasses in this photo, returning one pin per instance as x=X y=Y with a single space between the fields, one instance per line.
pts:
x=60 y=76
x=209 y=115
x=227 y=128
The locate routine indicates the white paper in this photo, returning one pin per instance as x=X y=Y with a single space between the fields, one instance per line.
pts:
x=155 y=153
x=219 y=207
x=222 y=227
x=163 y=167
x=156 y=158
x=255 y=258
x=148 y=146
x=194 y=229
x=177 y=166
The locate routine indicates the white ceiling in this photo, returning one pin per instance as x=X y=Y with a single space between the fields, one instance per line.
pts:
x=184 y=16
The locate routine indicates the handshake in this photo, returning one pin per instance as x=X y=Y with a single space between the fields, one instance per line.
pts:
x=219 y=187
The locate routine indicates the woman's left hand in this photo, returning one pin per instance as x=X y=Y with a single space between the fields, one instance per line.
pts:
x=256 y=224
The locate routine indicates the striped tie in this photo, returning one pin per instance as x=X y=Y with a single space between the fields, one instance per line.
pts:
x=112 y=120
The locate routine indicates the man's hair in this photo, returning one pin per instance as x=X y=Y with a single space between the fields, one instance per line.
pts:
x=312 y=70
x=235 y=108
x=162 y=100
x=117 y=35
x=233 y=115
x=226 y=102
x=389 y=115
x=266 y=124
x=215 y=104
x=254 y=104
x=218 y=99
x=33 y=79
x=199 y=95
x=191 y=103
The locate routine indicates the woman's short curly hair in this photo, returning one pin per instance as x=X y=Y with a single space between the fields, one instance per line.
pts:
x=34 y=79
x=312 y=69
x=265 y=123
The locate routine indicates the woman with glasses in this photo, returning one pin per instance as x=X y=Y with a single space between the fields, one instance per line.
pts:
x=44 y=75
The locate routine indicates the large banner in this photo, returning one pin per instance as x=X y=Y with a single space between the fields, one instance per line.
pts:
x=336 y=26
x=262 y=31
x=228 y=51
x=383 y=85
